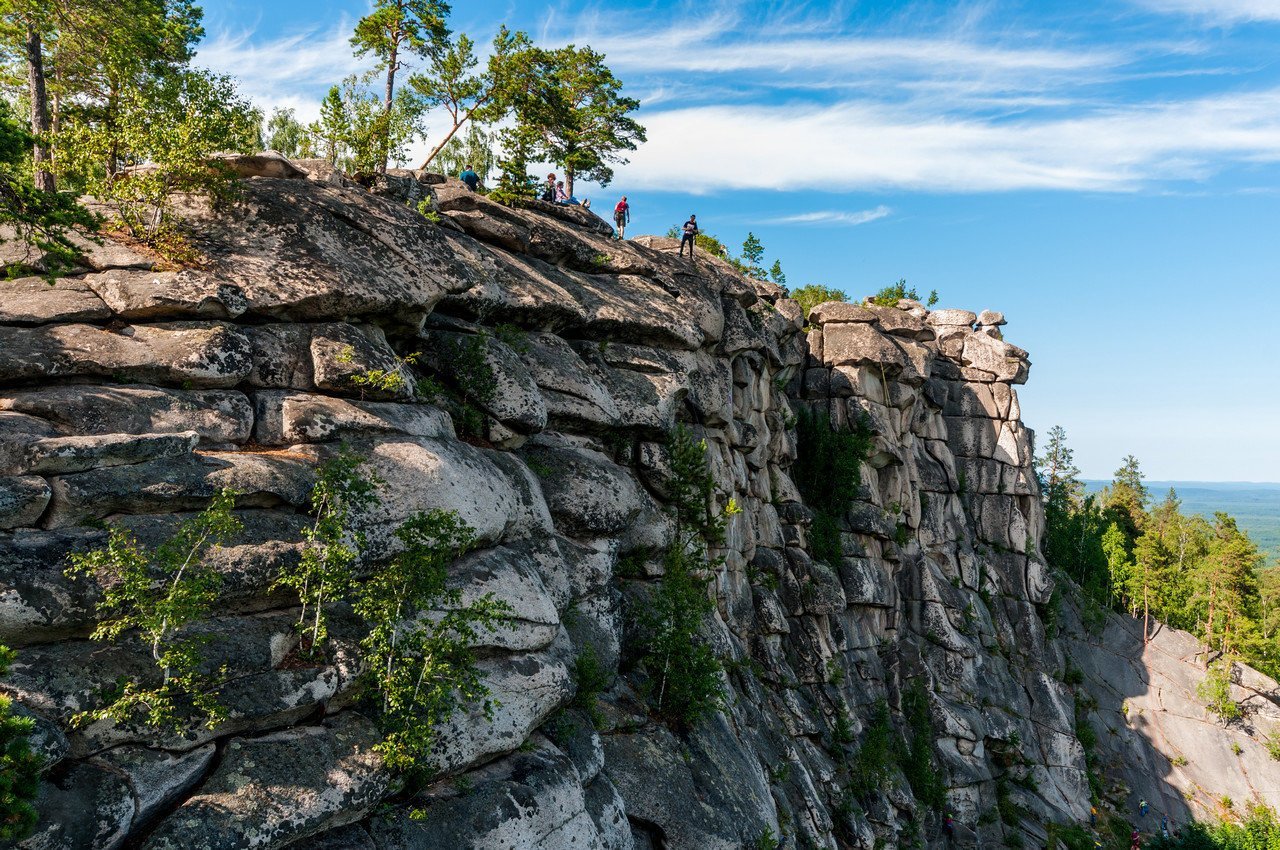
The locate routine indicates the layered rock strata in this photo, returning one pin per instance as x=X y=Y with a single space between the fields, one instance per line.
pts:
x=130 y=396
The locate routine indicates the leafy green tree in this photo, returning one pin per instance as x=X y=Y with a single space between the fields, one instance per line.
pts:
x=1115 y=546
x=812 y=295
x=325 y=572
x=776 y=275
x=752 y=257
x=332 y=127
x=419 y=652
x=573 y=106
x=356 y=132
x=156 y=593
x=393 y=28
x=286 y=134
x=1226 y=580
x=44 y=220
x=1149 y=576
x=890 y=295
x=19 y=767
x=452 y=82
x=1127 y=497
x=474 y=148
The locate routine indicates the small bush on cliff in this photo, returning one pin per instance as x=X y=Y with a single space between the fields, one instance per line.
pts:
x=1215 y=690
x=419 y=653
x=895 y=292
x=916 y=755
x=812 y=295
x=828 y=472
x=330 y=546
x=19 y=767
x=685 y=677
x=155 y=593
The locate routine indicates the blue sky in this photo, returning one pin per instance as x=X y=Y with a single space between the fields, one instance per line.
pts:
x=1104 y=173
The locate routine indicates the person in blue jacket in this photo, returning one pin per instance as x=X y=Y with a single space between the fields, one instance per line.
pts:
x=470 y=177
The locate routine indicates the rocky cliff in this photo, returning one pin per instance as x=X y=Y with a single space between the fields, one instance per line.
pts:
x=129 y=397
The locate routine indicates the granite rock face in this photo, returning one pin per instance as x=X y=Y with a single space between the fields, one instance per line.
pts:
x=130 y=396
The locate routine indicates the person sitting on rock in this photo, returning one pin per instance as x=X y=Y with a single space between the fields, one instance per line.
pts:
x=562 y=197
x=549 y=191
x=622 y=217
x=689 y=232
x=470 y=177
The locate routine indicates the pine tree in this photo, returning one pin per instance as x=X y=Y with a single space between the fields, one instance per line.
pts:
x=19 y=767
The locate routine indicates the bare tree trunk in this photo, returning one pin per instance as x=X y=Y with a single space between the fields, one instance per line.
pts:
x=436 y=150
x=1146 y=617
x=39 y=111
x=386 y=107
x=568 y=181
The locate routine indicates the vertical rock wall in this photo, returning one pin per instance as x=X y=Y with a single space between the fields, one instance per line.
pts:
x=129 y=396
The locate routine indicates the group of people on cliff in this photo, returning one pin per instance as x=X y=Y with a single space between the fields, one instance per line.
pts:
x=554 y=192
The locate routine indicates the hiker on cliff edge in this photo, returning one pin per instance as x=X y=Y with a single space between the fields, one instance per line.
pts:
x=470 y=177
x=689 y=231
x=622 y=217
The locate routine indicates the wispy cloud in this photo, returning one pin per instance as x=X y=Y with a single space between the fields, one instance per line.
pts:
x=834 y=217
x=1224 y=10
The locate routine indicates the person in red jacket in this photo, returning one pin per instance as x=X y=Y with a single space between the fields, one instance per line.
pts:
x=622 y=217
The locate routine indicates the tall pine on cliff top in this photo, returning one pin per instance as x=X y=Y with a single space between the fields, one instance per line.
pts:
x=392 y=29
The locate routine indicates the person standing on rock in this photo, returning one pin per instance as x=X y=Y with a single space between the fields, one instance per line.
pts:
x=622 y=217
x=470 y=177
x=689 y=232
x=1142 y=807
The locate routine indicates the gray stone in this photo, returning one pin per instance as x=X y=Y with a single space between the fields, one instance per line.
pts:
x=217 y=416
x=289 y=418
x=36 y=301
x=91 y=807
x=61 y=455
x=190 y=354
x=343 y=355
x=264 y=164
x=23 y=500
x=952 y=318
x=858 y=344
x=277 y=789
x=586 y=492
x=840 y=312
x=146 y=296
x=487 y=371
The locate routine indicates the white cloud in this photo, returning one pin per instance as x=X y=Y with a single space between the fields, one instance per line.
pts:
x=858 y=146
x=1225 y=10
x=849 y=219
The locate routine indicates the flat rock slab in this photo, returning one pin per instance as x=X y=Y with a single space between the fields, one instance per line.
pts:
x=36 y=301
x=216 y=416
x=289 y=418
x=61 y=455
x=190 y=354
x=277 y=789
x=23 y=499
x=135 y=295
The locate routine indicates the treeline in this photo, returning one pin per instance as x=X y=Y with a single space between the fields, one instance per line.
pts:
x=561 y=105
x=1131 y=553
x=101 y=98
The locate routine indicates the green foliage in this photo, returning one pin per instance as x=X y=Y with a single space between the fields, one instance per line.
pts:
x=685 y=676
x=1069 y=837
x=591 y=679
x=286 y=134
x=916 y=757
x=767 y=840
x=828 y=472
x=812 y=295
x=156 y=593
x=752 y=257
x=324 y=573
x=1259 y=829
x=159 y=143
x=895 y=292
x=871 y=767
x=419 y=652
x=19 y=767
x=1273 y=747
x=1215 y=690
x=43 y=220
x=570 y=110
x=356 y=130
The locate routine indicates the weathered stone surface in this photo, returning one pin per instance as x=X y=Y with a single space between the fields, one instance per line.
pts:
x=840 y=312
x=135 y=295
x=1007 y=362
x=532 y=799
x=586 y=492
x=488 y=371
x=92 y=807
x=264 y=164
x=217 y=416
x=289 y=418
x=573 y=393
x=961 y=318
x=36 y=301
x=190 y=354
x=344 y=356
x=61 y=455
x=277 y=789
x=858 y=344
x=260 y=479
x=23 y=499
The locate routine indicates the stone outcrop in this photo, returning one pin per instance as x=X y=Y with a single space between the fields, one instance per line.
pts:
x=130 y=396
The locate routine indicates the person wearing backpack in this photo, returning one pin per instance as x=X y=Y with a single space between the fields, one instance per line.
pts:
x=549 y=189
x=690 y=231
x=470 y=177
x=622 y=217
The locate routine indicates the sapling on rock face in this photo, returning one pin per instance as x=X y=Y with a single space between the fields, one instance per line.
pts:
x=155 y=593
x=331 y=546
x=19 y=767
x=419 y=658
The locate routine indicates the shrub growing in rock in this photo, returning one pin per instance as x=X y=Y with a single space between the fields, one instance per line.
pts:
x=685 y=677
x=19 y=767
x=418 y=655
x=812 y=295
x=828 y=472
x=1215 y=690
x=155 y=593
